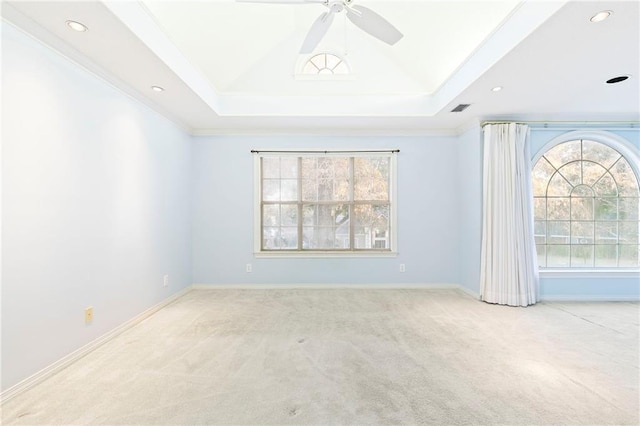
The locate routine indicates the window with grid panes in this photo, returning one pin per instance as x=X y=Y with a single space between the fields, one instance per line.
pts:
x=327 y=202
x=586 y=207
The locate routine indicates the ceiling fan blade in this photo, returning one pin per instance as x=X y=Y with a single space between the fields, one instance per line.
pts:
x=374 y=24
x=282 y=1
x=317 y=32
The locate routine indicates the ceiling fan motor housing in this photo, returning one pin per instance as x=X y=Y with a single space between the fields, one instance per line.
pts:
x=338 y=5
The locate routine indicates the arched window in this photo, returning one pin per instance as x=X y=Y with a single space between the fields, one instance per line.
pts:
x=325 y=64
x=586 y=206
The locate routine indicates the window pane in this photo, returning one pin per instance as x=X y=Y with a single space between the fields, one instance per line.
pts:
x=582 y=191
x=606 y=232
x=581 y=208
x=326 y=226
x=592 y=172
x=582 y=256
x=325 y=238
x=572 y=172
x=341 y=68
x=557 y=255
x=606 y=186
x=563 y=153
x=542 y=258
x=629 y=208
x=541 y=175
x=606 y=209
x=271 y=215
x=599 y=153
x=540 y=208
x=626 y=179
x=606 y=255
x=540 y=231
x=629 y=255
x=289 y=167
x=559 y=187
x=288 y=190
x=332 y=61
x=371 y=178
x=629 y=232
x=279 y=238
x=558 y=208
x=289 y=238
x=271 y=190
x=270 y=237
x=270 y=167
x=325 y=179
x=581 y=233
x=371 y=226
x=310 y=68
x=557 y=232
x=319 y=61
x=289 y=215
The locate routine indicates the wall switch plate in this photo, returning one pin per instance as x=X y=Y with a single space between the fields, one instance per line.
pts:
x=249 y=268
x=88 y=315
x=402 y=268
x=165 y=281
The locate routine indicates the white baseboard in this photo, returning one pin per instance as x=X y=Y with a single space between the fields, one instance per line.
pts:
x=62 y=363
x=316 y=286
x=469 y=292
x=589 y=298
x=326 y=286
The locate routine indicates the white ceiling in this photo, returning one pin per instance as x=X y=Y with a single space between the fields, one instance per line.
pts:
x=231 y=67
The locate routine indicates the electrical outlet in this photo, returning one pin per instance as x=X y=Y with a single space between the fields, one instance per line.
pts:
x=165 y=281
x=249 y=268
x=88 y=315
x=402 y=268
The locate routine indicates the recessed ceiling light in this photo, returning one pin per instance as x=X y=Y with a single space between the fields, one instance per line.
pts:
x=157 y=89
x=77 y=26
x=601 y=16
x=496 y=89
x=617 y=79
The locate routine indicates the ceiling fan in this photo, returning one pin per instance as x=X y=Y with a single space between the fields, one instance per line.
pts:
x=362 y=17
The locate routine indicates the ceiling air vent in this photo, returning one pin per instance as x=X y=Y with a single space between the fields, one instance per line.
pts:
x=460 y=107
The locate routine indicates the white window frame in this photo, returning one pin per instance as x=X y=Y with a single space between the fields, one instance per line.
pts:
x=632 y=155
x=257 y=216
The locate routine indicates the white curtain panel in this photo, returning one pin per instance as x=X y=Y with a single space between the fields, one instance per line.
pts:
x=509 y=274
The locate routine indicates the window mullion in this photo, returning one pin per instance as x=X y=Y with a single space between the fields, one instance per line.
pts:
x=261 y=203
x=300 y=212
x=351 y=204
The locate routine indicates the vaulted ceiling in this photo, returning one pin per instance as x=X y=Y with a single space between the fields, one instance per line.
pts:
x=229 y=66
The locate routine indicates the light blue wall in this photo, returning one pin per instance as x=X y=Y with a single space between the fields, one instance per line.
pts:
x=223 y=214
x=599 y=287
x=470 y=207
x=95 y=206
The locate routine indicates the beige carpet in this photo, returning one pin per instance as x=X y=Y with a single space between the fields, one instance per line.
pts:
x=352 y=357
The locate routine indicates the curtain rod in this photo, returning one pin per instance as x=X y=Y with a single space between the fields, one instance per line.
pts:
x=553 y=124
x=256 y=151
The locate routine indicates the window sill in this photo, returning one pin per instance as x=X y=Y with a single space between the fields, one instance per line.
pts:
x=589 y=273
x=323 y=255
